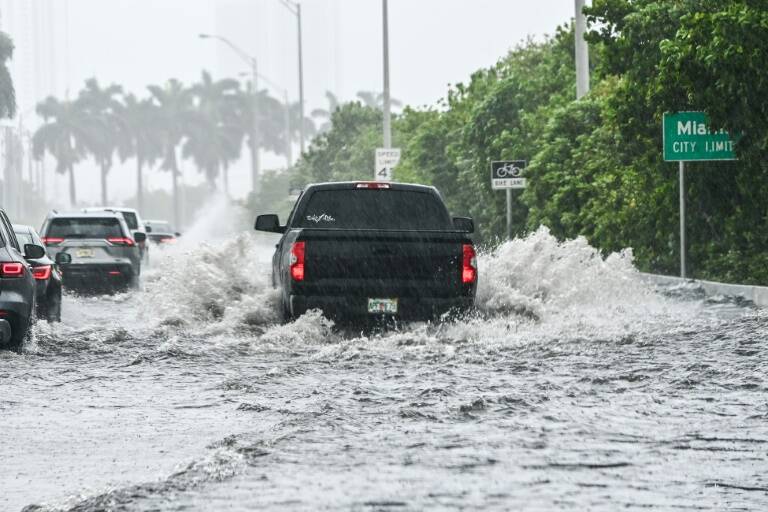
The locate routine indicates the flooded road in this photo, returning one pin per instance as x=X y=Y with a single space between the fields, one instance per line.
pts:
x=576 y=386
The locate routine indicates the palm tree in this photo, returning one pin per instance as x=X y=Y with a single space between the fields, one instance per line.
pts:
x=325 y=115
x=102 y=131
x=174 y=105
x=376 y=99
x=296 y=121
x=59 y=136
x=214 y=134
x=140 y=139
x=7 y=92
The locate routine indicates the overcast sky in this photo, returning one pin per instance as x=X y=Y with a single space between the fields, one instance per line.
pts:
x=433 y=43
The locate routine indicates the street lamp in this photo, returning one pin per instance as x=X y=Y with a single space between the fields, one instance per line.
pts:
x=295 y=9
x=255 y=166
x=387 y=114
x=582 y=51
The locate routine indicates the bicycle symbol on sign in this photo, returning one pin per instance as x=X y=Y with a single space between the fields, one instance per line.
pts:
x=509 y=170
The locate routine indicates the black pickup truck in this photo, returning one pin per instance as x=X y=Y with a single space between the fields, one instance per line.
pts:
x=363 y=250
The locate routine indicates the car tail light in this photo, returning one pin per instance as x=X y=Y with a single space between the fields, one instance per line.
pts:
x=469 y=264
x=12 y=269
x=114 y=273
x=168 y=240
x=372 y=184
x=118 y=240
x=51 y=240
x=42 y=273
x=297 y=261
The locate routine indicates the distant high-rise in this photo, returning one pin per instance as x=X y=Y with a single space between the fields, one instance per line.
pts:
x=34 y=27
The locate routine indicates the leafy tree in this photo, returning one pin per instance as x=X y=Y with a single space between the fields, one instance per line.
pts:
x=347 y=151
x=716 y=62
x=695 y=55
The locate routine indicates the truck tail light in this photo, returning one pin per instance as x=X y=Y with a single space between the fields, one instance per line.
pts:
x=372 y=185
x=52 y=240
x=42 y=273
x=469 y=264
x=11 y=269
x=118 y=240
x=297 y=261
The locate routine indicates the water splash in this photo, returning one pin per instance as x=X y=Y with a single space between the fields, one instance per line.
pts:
x=531 y=289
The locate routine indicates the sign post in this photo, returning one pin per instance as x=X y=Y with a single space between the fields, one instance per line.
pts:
x=681 y=177
x=386 y=160
x=508 y=175
x=688 y=138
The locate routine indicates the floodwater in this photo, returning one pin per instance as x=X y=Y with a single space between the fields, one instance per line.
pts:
x=578 y=386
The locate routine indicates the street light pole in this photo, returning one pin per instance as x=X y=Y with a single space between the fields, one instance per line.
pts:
x=295 y=9
x=582 y=51
x=256 y=163
x=288 y=149
x=387 y=116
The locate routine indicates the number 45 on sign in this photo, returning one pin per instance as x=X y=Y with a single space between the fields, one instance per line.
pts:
x=386 y=160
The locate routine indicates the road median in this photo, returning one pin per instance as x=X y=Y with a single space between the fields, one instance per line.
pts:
x=756 y=294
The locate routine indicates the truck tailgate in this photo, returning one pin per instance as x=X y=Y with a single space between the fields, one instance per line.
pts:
x=399 y=262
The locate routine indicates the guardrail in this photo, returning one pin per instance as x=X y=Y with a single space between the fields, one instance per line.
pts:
x=756 y=294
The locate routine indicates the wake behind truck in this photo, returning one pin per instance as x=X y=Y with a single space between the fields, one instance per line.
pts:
x=366 y=250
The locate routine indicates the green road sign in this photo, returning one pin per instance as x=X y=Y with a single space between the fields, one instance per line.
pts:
x=687 y=137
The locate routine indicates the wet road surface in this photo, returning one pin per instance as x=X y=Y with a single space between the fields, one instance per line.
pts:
x=577 y=386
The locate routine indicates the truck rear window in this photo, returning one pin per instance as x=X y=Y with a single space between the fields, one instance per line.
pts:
x=85 y=228
x=374 y=209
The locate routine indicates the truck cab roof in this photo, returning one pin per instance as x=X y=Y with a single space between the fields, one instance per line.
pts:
x=341 y=185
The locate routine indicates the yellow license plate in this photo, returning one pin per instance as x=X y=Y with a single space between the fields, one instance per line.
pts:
x=382 y=306
x=84 y=253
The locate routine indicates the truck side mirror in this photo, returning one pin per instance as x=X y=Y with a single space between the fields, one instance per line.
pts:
x=63 y=258
x=464 y=224
x=269 y=223
x=140 y=237
x=33 y=252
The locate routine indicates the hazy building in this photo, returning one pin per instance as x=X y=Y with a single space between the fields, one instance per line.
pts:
x=36 y=27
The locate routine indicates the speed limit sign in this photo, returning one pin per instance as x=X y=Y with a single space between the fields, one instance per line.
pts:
x=386 y=160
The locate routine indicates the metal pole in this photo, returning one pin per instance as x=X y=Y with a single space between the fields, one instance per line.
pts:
x=509 y=213
x=582 y=52
x=255 y=167
x=387 y=119
x=288 y=151
x=682 y=219
x=301 y=81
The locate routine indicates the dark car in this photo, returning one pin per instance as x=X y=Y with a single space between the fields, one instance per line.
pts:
x=370 y=250
x=160 y=232
x=104 y=253
x=47 y=276
x=18 y=290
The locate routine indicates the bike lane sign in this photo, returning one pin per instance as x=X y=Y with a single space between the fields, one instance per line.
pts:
x=508 y=174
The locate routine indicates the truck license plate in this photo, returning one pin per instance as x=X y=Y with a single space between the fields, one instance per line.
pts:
x=386 y=306
x=85 y=253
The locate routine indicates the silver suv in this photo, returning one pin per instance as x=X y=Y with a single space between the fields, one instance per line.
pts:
x=133 y=219
x=105 y=254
